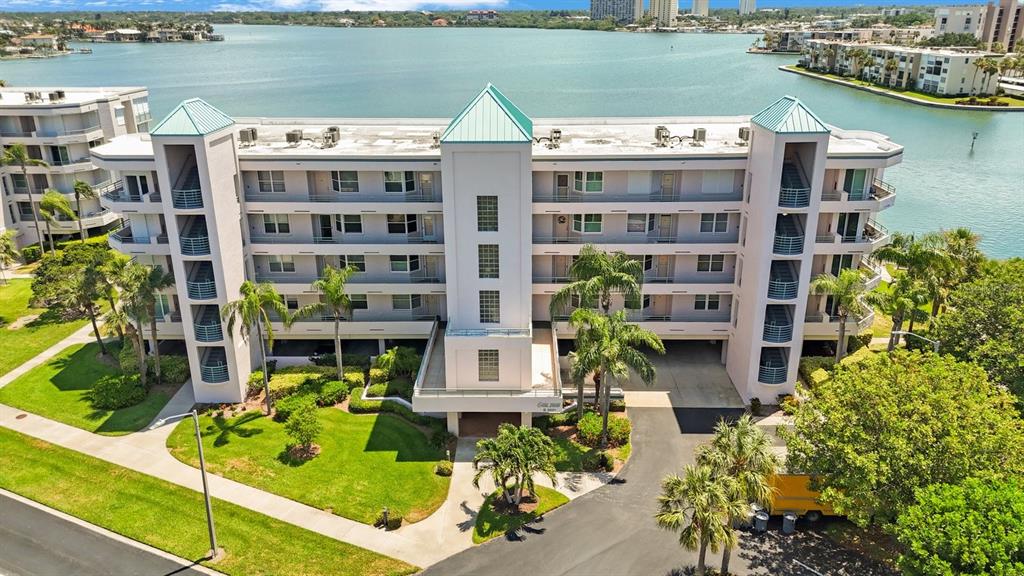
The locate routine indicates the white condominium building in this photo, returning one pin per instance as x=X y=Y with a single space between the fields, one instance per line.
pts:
x=699 y=8
x=463 y=229
x=959 y=20
x=1003 y=24
x=58 y=127
x=748 y=6
x=664 y=12
x=622 y=11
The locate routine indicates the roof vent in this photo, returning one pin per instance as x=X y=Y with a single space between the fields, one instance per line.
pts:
x=700 y=135
x=744 y=135
x=293 y=137
x=661 y=136
x=556 y=138
x=435 y=139
x=56 y=96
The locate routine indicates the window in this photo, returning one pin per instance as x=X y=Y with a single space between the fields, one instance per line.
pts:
x=711 y=263
x=282 y=263
x=405 y=263
x=706 y=302
x=119 y=115
x=486 y=213
x=276 y=224
x=854 y=182
x=345 y=181
x=399 y=181
x=487 y=260
x=715 y=223
x=349 y=223
x=358 y=301
x=270 y=181
x=162 y=306
x=638 y=303
x=587 y=223
x=490 y=305
x=588 y=181
x=405 y=301
x=401 y=223
x=357 y=262
x=648 y=263
x=639 y=222
x=487 y=362
x=19 y=181
x=137 y=186
x=291 y=302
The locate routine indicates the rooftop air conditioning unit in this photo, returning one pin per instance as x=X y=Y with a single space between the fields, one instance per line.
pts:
x=33 y=96
x=293 y=136
x=253 y=134
x=744 y=134
x=245 y=137
x=330 y=138
x=700 y=134
x=661 y=136
x=60 y=94
x=556 y=137
x=56 y=96
x=435 y=139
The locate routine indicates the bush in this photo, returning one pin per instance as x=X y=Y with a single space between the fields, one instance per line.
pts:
x=354 y=379
x=443 y=468
x=859 y=341
x=618 y=431
x=303 y=425
x=116 y=392
x=332 y=392
x=441 y=437
x=31 y=254
x=173 y=369
x=605 y=461
x=288 y=381
x=355 y=360
x=399 y=361
x=789 y=403
x=255 y=383
x=126 y=358
x=589 y=429
x=291 y=404
x=394 y=521
x=816 y=369
x=357 y=405
x=755 y=406
x=378 y=375
x=377 y=390
x=617 y=405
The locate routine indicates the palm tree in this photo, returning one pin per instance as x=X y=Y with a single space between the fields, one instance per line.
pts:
x=900 y=299
x=156 y=280
x=82 y=190
x=17 y=155
x=989 y=69
x=136 y=310
x=697 y=505
x=924 y=258
x=608 y=346
x=891 y=65
x=964 y=259
x=595 y=275
x=517 y=453
x=331 y=286
x=9 y=253
x=113 y=274
x=253 y=310
x=742 y=452
x=847 y=291
x=52 y=205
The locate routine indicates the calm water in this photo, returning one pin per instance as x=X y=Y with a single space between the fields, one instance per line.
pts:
x=275 y=71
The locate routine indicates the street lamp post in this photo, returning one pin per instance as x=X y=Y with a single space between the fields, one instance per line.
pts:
x=214 y=552
x=935 y=343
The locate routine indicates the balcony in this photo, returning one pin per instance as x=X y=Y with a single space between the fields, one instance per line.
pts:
x=208 y=325
x=822 y=325
x=93 y=220
x=202 y=285
x=187 y=198
x=772 y=369
x=124 y=240
x=652 y=197
x=793 y=192
x=357 y=278
x=783 y=281
x=213 y=368
x=348 y=197
x=778 y=327
x=789 y=241
x=344 y=239
x=196 y=241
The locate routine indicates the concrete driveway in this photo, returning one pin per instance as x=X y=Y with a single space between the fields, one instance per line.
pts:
x=689 y=375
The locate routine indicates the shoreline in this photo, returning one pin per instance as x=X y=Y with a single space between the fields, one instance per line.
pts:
x=898 y=96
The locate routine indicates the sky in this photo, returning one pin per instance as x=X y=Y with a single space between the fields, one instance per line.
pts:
x=373 y=5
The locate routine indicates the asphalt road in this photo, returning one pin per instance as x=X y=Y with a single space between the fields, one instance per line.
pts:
x=36 y=543
x=611 y=530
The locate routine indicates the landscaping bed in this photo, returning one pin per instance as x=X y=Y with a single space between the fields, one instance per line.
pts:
x=19 y=344
x=496 y=517
x=580 y=452
x=172 y=518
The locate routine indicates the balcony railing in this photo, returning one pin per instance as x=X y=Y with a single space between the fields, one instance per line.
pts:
x=778 y=332
x=358 y=278
x=341 y=197
x=187 y=199
x=794 y=197
x=779 y=289
x=197 y=245
x=345 y=239
x=653 y=197
x=487 y=332
x=788 y=245
x=209 y=332
x=769 y=374
x=201 y=289
x=214 y=373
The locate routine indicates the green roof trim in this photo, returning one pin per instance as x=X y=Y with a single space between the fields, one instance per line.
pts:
x=788 y=115
x=490 y=118
x=193 y=117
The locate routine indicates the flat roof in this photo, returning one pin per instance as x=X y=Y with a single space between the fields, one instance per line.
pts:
x=15 y=95
x=915 y=49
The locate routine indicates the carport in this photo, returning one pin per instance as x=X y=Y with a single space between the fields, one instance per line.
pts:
x=689 y=375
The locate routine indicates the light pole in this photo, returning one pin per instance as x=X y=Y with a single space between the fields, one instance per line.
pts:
x=935 y=343
x=214 y=552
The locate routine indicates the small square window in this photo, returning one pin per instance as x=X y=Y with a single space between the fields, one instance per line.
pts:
x=401 y=223
x=487 y=260
x=276 y=224
x=348 y=223
x=405 y=263
x=588 y=181
x=357 y=262
x=490 y=307
x=399 y=181
x=487 y=362
x=358 y=301
x=487 y=213
x=639 y=222
x=291 y=302
x=270 y=181
x=405 y=301
x=282 y=263
x=345 y=181
x=714 y=223
x=648 y=263
x=587 y=223
x=706 y=302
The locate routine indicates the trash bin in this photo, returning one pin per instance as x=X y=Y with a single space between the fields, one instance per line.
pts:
x=788 y=523
x=761 y=521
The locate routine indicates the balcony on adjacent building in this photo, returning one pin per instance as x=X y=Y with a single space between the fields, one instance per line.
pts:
x=195 y=241
x=201 y=284
x=783 y=281
x=208 y=325
x=772 y=368
x=125 y=239
x=789 y=237
x=794 y=192
x=213 y=366
x=778 y=325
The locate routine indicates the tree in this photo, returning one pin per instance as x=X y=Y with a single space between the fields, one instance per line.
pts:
x=113 y=270
x=334 y=301
x=989 y=69
x=922 y=257
x=69 y=283
x=253 y=310
x=697 y=505
x=9 y=253
x=608 y=346
x=964 y=258
x=304 y=427
x=82 y=190
x=984 y=323
x=516 y=454
x=741 y=452
x=52 y=205
x=156 y=281
x=891 y=66
x=133 y=290
x=874 y=433
x=971 y=528
x=899 y=299
x=17 y=155
x=847 y=291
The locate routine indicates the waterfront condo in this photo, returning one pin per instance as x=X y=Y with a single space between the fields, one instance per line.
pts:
x=461 y=229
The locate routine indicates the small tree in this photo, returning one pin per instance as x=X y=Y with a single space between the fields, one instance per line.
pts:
x=516 y=454
x=847 y=291
x=304 y=427
x=82 y=190
x=17 y=155
x=156 y=281
x=9 y=253
x=335 y=302
x=253 y=310
x=899 y=300
x=52 y=205
x=68 y=283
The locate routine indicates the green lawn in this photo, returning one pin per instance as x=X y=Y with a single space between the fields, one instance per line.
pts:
x=17 y=346
x=59 y=390
x=491 y=524
x=172 y=518
x=367 y=462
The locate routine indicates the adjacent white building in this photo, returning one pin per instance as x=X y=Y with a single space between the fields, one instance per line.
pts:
x=59 y=127
x=700 y=8
x=748 y=6
x=664 y=12
x=959 y=20
x=463 y=229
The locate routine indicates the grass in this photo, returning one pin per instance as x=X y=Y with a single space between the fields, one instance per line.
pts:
x=366 y=462
x=1013 y=102
x=59 y=390
x=172 y=518
x=881 y=327
x=571 y=456
x=491 y=524
x=18 y=346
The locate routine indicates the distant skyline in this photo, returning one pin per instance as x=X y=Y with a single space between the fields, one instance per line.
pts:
x=387 y=5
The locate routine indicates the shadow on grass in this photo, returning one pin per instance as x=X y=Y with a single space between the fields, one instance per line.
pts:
x=392 y=433
x=225 y=429
x=50 y=317
x=81 y=370
x=284 y=457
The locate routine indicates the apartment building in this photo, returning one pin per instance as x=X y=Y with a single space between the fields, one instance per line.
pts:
x=748 y=6
x=959 y=20
x=1003 y=24
x=462 y=230
x=664 y=12
x=942 y=71
x=59 y=127
x=622 y=11
x=699 y=8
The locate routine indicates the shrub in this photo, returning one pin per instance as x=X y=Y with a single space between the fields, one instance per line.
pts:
x=291 y=404
x=255 y=383
x=357 y=405
x=816 y=369
x=394 y=521
x=605 y=461
x=173 y=369
x=755 y=406
x=288 y=381
x=360 y=361
x=115 y=392
x=354 y=379
x=378 y=375
x=126 y=358
x=859 y=341
x=377 y=390
x=617 y=405
x=332 y=392
x=440 y=437
x=789 y=403
x=443 y=468
x=618 y=431
x=400 y=387
x=31 y=254
x=303 y=425
x=589 y=428
x=399 y=361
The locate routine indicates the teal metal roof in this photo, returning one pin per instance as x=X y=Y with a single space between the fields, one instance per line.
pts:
x=192 y=117
x=489 y=118
x=789 y=116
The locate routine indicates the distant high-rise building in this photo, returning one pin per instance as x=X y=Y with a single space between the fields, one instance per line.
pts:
x=1004 y=23
x=748 y=6
x=664 y=12
x=959 y=20
x=638 y=10
x=622 y=11
x=700 y=8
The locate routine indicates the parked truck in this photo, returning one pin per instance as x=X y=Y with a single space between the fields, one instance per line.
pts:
x=793 y=494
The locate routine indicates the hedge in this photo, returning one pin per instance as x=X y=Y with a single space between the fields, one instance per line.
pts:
x=287 y=381
x=116 y=392
x=817 y=369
